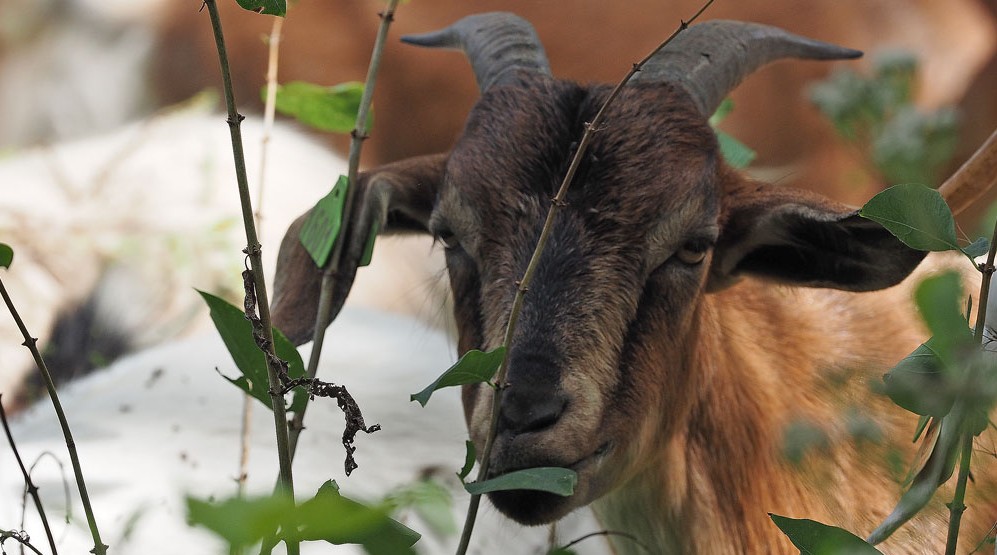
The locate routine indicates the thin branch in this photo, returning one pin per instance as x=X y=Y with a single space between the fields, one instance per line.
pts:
x=607 y=533
x=523 y=286
x=254 y=252
x=29 y=485
x=31 y=343
x=359 y=134
x=19 y=537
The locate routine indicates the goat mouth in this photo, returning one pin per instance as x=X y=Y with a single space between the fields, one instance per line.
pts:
x=532 y=507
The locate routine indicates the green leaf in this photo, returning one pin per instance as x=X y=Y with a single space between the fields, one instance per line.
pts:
x=814 y=538
x=474 y=367
x=240 y=522
x=939 y=300
x=318 y=234
x=917 y=384
x=368 y=250
x=722 y=111
x=328 y=516
x=936 y=470
x=559 y=481
x=6 y=255
x=333 y=109
x=916 y=214
x=266 y=7
x=979 y=247
x=338 y=520
x=237 y=334
x=561 y=551
x=431 y=501
x=468 y=461
x=736 y=153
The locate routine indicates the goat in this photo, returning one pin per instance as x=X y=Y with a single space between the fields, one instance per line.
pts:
x=682 y=315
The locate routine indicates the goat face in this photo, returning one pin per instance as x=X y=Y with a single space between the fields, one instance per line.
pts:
x=602 y=367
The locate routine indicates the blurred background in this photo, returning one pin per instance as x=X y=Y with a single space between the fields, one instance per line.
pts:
x=113 y=162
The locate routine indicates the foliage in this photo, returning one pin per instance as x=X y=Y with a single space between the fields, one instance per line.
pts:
x=237 y=334
x=474 y=367
x=333 y=109
x=736 y=153
x=559 y=481
x=328 y=517
x=266 y=7
x=6 y=255
x=814 y=538
x=877 y=114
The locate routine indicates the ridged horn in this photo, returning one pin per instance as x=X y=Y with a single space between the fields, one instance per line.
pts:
x=710 y=59
x=496 y=44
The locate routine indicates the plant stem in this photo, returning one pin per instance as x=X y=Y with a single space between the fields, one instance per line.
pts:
x=957 y=507
x=253 y=250
x=329 y=275
x=31 y=343
x=523 y=286
x=28 y=483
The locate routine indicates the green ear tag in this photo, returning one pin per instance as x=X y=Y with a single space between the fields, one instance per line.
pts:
x=319 y=233
x=368 y=250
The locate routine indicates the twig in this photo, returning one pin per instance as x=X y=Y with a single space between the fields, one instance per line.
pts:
x=958 y=506
x=590 y=129
x=19 y=537
x=29 y=485
x=607 y=533
x=359 y=134
x=253 y=251
x=31 y=343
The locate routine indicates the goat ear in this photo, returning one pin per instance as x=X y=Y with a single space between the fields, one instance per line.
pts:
x=397 y=198
x=801 y=238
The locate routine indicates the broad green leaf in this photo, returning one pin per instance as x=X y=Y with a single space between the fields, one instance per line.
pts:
x=468 y=461
x=266 y=7
x=918 y=216
x=937 y=469
x=318 y=234
x=240 y=522
x=736 y=153
x=939 y=300
x=328 y=516
x=6 y=255
x=333 y=109
x=237 y=334
x=431 y=501
x=332 y=518
x=559 y=481
x=814 y=538
x=474 y=367
x=917 y=383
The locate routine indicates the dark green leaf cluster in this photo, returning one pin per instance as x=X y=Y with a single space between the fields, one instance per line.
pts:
x=328 y=517
x=906 y=145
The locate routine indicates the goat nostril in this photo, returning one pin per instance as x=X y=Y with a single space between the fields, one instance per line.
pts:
x=531 y=411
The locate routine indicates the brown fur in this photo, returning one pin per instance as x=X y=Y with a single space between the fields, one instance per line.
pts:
x=666 y=385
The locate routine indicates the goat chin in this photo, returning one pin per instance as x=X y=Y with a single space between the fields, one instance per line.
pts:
x=162 y=423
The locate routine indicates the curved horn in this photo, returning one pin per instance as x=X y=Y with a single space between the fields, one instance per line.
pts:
x=496 y=43
x=709 y=59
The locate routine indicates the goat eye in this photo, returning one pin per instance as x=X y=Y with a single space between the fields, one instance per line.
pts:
x=692 y=253
x=448 y=238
